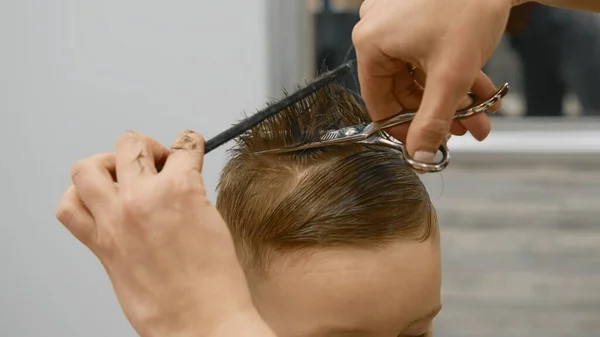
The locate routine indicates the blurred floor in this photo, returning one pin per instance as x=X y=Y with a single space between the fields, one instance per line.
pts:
x=521 y=246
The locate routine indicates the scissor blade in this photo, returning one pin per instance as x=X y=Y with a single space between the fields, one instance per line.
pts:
x=349 y=132
x=344 y=135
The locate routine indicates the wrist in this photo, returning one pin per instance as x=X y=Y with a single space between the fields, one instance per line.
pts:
x=247 y=323
x=243 y=324
x=224 y=311
x=219 y=315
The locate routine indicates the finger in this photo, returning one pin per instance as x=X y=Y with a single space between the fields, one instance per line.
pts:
x=457 y=129
x=409 y=95
x=409 y=91
x=375 y=73
x=137 y=156
x=484 y=88
x=480 y=125
x=95 y=182
x=399 y=132
x=73 y=214
x=421 y=81
x=446 y=87
x=187 y=154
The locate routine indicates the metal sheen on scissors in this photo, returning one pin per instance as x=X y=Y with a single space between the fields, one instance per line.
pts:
x=366 y=134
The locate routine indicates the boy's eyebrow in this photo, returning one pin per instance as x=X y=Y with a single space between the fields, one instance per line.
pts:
x=353 y=332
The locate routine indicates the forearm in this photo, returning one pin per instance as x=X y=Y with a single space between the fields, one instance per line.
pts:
x=588 y=5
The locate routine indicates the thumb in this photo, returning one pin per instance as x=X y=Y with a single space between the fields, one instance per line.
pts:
x=447 y=84
x=187 y=154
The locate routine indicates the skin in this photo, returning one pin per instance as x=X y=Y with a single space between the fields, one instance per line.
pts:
x=166 y=249
x=448 y=52
x=158 y=231
x=449 y=42
x=347 y=291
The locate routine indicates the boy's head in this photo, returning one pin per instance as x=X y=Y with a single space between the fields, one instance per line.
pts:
x=337 y=241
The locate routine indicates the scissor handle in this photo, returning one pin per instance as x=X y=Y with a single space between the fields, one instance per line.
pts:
x=408 y=116
x=443 y=149
x=415 y=165
x=485 y=105
x=433 y=167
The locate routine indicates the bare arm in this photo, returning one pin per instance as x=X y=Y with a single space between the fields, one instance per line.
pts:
x=588 y=5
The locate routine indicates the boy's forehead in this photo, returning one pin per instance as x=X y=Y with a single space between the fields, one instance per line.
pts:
x=350 y=289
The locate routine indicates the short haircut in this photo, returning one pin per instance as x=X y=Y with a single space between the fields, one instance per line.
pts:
x=340 y=195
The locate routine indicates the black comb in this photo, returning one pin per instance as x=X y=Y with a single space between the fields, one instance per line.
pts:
x=277 y=107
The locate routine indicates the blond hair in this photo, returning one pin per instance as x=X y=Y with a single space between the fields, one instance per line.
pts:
x=339 y=195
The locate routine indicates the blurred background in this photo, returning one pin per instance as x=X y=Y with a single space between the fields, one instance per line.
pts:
x=519 y=212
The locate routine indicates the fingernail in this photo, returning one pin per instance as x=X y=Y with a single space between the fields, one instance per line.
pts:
x=424 y=157
x=187 y=140
x=467 y=102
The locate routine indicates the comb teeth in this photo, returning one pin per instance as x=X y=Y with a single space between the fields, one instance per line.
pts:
x=275 y=108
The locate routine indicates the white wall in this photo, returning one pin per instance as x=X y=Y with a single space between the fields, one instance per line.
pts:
x=290 y=45
x=76 y=74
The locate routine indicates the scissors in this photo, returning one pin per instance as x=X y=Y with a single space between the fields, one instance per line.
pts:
x=368 y=134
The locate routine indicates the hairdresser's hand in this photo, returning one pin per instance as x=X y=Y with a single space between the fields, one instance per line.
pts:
x=449 y=41
x=166 y=249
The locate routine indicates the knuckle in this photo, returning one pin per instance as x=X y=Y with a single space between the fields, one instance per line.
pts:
x=363 y=34
x=433 y=130
x=449 y=73
x=105 y=242
x=94 y=162
x=79 y=167
x=457 y=71
x=70 y=215
x=181 y=184
x=65 y=212
x=134 y=205
x=178 y=184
